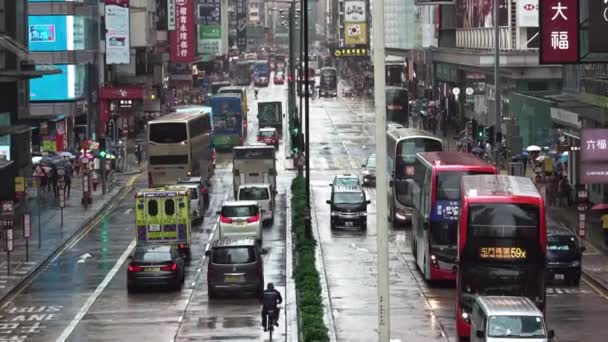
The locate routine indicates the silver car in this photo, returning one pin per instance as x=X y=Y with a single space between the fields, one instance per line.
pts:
x=240 y=219
x=369 y=170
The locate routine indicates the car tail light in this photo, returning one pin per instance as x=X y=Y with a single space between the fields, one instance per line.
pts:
x=260 y=138
x=254 y=218
x=241 y=139
x=171 y=267
x=134 y=268
x=225 y=219
x=181 y=246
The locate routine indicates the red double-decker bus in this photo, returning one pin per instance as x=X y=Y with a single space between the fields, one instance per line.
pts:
x=502 y=241
x=436 y=196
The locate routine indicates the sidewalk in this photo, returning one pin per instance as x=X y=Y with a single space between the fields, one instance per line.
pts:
x=47 y=235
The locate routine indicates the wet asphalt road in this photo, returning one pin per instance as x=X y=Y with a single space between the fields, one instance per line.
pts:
x=81 y=295
x=342 y=136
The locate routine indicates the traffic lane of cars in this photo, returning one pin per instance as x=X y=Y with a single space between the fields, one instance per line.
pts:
x=150 y=313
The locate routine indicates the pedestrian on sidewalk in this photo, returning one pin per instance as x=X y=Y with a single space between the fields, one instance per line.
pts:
x=68 y=185
x=604 y=219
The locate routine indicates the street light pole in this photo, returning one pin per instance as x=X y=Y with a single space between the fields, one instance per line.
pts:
x=384 y=319
x=304 y=10
x=498 y=118
x=290 y=85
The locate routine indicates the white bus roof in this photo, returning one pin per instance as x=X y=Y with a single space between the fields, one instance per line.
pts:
x=180 y=116
x=508 y=306
x=498 y=185
x=403 y=132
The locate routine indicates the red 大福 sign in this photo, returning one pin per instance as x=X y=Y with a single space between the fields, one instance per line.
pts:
x=183 y=37
x=559 y=34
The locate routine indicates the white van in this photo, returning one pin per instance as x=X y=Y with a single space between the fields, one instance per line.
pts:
x=197 y=203
x=505 y=318
x=263 y=194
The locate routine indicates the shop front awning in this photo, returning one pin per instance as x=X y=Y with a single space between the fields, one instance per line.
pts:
x=585 y=110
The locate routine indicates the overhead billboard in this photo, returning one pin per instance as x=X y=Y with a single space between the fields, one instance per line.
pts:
x=480 y=13
x=118 y=46
x=355 y=34
x=241 y=25
x=434 y=2
x=527 y=13
x=69 y=85
x=56 y=33
x=594 y=155
x=355 y=11
x=559 y=34
x=598 y=26
x=209 y=41
x=183 y=37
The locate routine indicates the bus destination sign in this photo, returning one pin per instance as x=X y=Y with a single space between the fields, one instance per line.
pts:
x=502 y=253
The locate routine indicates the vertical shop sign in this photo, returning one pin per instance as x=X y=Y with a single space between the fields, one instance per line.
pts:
x=171 y=15
x=210 y=30
x=117 y=32
x=598 y=25
x=241 y=25
x=559 y=36
x=183 y=37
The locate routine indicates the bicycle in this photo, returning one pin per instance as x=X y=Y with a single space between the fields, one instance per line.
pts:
x=270 y=321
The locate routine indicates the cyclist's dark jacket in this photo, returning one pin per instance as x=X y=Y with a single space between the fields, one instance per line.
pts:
x=271 y=299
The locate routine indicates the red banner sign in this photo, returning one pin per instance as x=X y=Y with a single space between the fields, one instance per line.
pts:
x=183 y=37
x=559 y=36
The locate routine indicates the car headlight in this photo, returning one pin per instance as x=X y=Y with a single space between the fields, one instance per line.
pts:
x=334 y=213
x=465 y=316
x=367 y=172
x=576 y=263
x=363 y=213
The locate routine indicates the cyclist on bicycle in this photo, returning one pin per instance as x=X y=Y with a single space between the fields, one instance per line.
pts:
x=270 y=299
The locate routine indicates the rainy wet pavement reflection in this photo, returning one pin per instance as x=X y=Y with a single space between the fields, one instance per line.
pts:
x=342 y=137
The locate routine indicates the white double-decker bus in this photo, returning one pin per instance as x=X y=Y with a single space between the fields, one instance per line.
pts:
x=402 y=145
x=179 y=145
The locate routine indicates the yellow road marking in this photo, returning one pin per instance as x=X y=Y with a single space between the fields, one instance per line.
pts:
x=598 y=291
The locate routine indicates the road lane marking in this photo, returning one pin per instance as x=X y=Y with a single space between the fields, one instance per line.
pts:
x=91 y=300
x=598 y=291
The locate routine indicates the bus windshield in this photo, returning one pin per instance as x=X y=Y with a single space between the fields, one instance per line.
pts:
x=168 y=133
x=504 y=221
x=408 y=148
x=448 y=184
x=499 y=280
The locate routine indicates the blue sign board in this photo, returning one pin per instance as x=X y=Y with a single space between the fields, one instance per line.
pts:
x=209 y=12
x=445 y=211
x=56 y=33
x=69 y=85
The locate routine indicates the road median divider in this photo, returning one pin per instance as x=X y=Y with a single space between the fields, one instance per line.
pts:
x=307 y=279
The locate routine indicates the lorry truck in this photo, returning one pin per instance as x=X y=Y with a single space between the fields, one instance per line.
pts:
x=270 y=114
x=253 y=164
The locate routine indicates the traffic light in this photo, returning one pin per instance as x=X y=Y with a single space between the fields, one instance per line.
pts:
x=102 y=148
x=481 y=132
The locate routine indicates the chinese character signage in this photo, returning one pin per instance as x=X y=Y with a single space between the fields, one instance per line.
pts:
x=171 y=15
x=241 y=24
x=117 y=32
x=502 y=253
x=594 y=156
x=559 y=35
x=594 y=145
x=598 y=25
x=346 y=52
x=209 y=12
x=183 y=37
x=209 y=41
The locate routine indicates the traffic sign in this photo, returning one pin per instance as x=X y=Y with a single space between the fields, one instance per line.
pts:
x=27 y=225
x=8 y=239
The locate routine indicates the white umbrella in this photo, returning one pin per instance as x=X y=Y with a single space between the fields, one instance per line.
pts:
x=533 y=148
x=36 y=159
x=540 y=158
x=565 y=154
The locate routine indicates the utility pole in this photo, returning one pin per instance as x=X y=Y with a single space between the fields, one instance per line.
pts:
x=291 y=101
x=304 y=10
x=498 y=119
x=384 y=319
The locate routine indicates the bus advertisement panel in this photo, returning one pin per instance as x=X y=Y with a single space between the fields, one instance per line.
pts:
x=227 y=121
x=402 y=145
x=436 y=192
x=502 y=242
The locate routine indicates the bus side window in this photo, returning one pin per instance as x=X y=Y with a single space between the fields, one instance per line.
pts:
x=427 y=195
x=169 y=207
x=152 y=207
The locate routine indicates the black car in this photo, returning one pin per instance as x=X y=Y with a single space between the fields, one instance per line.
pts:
x=155 y=265
x=564 y=255
x=348 y=207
